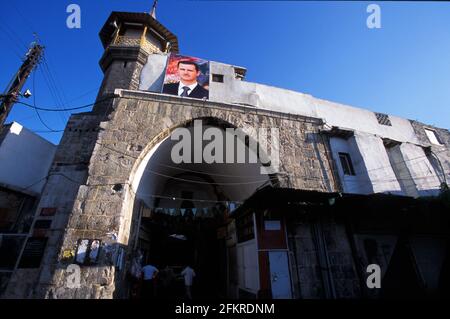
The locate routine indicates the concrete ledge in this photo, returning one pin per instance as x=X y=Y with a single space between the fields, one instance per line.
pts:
x=160 y=97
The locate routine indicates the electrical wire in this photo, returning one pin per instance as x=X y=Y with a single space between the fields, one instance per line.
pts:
x=37 y=182
x=52 y=89
x=131 y=189
x=48 y=131
x=48 y=109
x=59 y=92
x=205 y=183
x=22 y=16
x=91 y=104
x=84 y=94
x=201 y=172
x=360 y=179
x=153 y=195
x=14 y=37
x=13 y=50
x=181 y=198
x=254 y=182
x=290 y=174
x=34 y=103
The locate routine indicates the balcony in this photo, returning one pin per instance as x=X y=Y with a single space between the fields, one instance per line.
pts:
x=136 y=42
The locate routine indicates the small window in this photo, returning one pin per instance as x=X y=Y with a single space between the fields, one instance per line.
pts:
x=433 y=137
x=346 y=164
x=217 y=78
x=383 y=119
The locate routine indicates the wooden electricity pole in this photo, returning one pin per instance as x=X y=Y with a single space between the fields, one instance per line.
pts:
x=13 y=91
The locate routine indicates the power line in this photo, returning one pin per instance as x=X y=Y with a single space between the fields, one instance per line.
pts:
x=182 y=179
x=214 y=174
x=52 y=89
x=181 y=198
x=293 y=174
x=124 y=183
x=34 y=102
x=71 y=109
x=84 y=94
x=290 y=174
x=15 y=39
x=207 y=183
x=394 y=163
x=59 y=92
x=403 y=161
x=16 y=53
x=254 y=182
x=131 y=189
x=26 y=21
x=48 y=131
x=38 y=181
x=48 y=109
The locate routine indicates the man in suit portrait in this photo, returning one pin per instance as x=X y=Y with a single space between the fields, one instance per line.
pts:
x=188 y=71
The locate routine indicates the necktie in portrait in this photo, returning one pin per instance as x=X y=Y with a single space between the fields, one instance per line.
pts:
x=185 y=91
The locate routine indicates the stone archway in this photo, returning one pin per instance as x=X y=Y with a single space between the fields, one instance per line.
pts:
x=96 y=166
x=192 y=201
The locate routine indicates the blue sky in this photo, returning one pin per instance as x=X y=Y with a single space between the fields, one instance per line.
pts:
x=320 y=48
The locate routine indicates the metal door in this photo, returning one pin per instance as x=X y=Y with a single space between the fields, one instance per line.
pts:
x=279 y=275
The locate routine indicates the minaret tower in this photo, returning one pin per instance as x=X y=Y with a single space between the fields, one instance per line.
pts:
x=129 y=38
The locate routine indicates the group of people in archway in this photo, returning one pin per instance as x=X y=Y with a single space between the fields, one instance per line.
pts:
x=149 y=282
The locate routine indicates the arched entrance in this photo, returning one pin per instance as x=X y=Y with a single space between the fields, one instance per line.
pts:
x=181 y=211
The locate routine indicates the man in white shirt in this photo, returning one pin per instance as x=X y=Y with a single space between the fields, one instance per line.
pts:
x=149 y=273
x=188 y=273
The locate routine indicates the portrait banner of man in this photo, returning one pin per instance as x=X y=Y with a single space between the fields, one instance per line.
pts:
x=187 y=77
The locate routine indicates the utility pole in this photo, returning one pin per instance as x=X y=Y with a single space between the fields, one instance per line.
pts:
x=13 y=91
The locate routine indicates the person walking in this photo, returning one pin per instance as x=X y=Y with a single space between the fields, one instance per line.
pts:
x=135 y=275
x=188 y=273
x=149 y=273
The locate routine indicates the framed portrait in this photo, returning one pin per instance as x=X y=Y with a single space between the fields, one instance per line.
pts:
x=186 y=76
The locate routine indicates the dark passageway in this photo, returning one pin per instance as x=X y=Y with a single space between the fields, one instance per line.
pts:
x=178 y=240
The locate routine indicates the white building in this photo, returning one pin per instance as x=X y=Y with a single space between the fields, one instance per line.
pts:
x=373 y=152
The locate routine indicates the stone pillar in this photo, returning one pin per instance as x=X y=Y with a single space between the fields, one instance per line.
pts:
x=122 y=66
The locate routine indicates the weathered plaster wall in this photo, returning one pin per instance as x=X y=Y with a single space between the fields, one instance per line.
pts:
x=360 y=182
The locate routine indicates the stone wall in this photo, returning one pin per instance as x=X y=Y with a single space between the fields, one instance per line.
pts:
x=68 y=172
x=95 y=165
x=122 y=67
